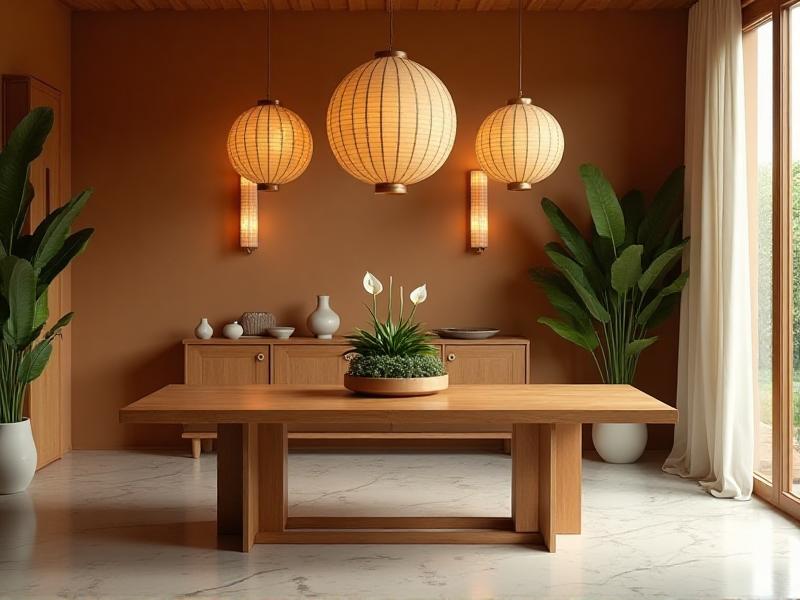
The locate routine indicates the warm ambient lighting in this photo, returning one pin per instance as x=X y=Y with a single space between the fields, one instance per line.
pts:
x=391 y=122
x=248 y=215
x=519 y=144
x=478 y=211
x=269 y=144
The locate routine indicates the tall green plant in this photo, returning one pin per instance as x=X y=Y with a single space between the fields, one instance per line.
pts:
x=29 y=263
x=611 y=289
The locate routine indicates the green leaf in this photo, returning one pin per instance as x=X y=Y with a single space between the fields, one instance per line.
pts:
x=51 y=234
x=661 y=264
x=659 y=214
x=24 y=144
x=19 y=289
x=573 y=240
x=578 y=280
x=604 y=251
x=627 y=269
x=636 y=346
x=561 y=299
x=571 y=334
x=664 y=310
x=603 y=204
x=73 y=246
x=673 y=288
x=41 y=311
x=35 y=361
x=633 y=211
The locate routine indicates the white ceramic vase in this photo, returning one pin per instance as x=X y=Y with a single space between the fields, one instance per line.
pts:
x=203 y=331
x=233 y=331
x=17 y=456
x=621 y=443
x=323 y=322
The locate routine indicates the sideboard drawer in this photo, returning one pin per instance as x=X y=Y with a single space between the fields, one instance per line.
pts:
x=227 y=365
x=486 y=364
x=311 y=364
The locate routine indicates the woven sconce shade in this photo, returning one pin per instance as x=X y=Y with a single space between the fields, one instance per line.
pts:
x=270 y=145
x=248 y=215
x=391 y=122
x=478 y=211
x=519 y=144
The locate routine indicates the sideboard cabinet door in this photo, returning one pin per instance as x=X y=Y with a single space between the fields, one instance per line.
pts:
x=309 y=365
x=489 y=364
x=227 y=365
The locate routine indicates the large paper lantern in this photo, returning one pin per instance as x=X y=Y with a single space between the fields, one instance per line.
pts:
x=269 y=145
x=391 y=122
x=519 y=144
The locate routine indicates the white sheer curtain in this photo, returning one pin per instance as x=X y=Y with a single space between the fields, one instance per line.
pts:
x=714 y=435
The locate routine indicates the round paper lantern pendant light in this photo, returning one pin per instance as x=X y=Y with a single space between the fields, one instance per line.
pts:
x=519 y=144
x=391 y=122
x=269 y=144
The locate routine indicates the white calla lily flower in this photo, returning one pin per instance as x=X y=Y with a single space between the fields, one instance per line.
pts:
x=419 y=295
x=372 y=284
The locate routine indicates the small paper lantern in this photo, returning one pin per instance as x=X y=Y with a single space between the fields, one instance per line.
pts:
x=519 y=144
x=478 y=211
x=391 y=122
x=270 y=145
x=248 y=215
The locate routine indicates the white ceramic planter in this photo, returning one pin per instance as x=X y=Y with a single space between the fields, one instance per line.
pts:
x=621 y=443
x=17 y=456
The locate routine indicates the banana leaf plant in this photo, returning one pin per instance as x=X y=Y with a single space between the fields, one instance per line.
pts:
x=29 y=262
x=611 y=289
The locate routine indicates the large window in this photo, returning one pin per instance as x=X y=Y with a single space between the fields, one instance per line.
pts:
x=772 y=103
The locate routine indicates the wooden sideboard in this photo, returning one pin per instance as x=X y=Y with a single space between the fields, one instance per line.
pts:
x=298 y=360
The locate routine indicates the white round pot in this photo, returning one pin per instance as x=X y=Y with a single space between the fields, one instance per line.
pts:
x=621 y=443
x=17 y=456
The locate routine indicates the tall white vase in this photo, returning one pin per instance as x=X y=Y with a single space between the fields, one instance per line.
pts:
x=17 y=456
x=323 y=322
x=621 y=443
x=203 y=331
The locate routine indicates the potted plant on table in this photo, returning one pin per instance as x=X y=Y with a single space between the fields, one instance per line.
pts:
x=395 y=358
x=612 y=289
x=28 y=264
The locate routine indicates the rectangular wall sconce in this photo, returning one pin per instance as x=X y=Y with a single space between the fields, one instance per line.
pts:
x=478 y=211
x=248 y=215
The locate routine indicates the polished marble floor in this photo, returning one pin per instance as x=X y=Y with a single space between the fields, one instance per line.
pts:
x=140 y=525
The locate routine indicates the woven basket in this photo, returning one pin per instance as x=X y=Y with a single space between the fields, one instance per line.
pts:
x=257 y=323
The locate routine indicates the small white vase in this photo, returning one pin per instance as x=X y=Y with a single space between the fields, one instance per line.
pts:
x=17 y=456
x=621 y=443
x=203 y=331
x=323 y=322
x=233 y=331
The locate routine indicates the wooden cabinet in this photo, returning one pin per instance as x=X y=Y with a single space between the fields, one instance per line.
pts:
x=48 y=402
x=311 y=361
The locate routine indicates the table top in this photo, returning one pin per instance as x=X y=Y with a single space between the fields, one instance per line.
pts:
x=459 y=404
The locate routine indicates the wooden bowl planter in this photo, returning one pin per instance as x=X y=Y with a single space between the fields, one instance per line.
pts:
x=395 y=386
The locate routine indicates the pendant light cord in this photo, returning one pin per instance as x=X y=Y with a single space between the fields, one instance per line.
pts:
x=391 y=23
x=519 y=39
x=269 y=49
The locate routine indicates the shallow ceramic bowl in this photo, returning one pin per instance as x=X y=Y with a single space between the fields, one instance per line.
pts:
x=282 y=333
x=467 y=333
x=396 y=387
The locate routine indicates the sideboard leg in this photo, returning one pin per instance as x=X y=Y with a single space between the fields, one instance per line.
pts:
x=195 y=448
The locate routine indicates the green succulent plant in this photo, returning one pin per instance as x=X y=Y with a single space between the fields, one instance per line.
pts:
x=29 y=263
x=396 y=366
x=390 y=338
x=610 y=290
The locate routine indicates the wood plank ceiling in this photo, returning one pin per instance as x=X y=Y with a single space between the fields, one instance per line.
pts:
x=479 y=5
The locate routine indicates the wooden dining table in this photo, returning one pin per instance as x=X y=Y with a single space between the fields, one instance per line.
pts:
x=252 y=454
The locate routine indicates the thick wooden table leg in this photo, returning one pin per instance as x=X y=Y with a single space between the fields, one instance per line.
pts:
x=568 y=478
x=547 y=484
x=229 y=479
x=250 y=485
x=273 y=477
x=525 y=477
